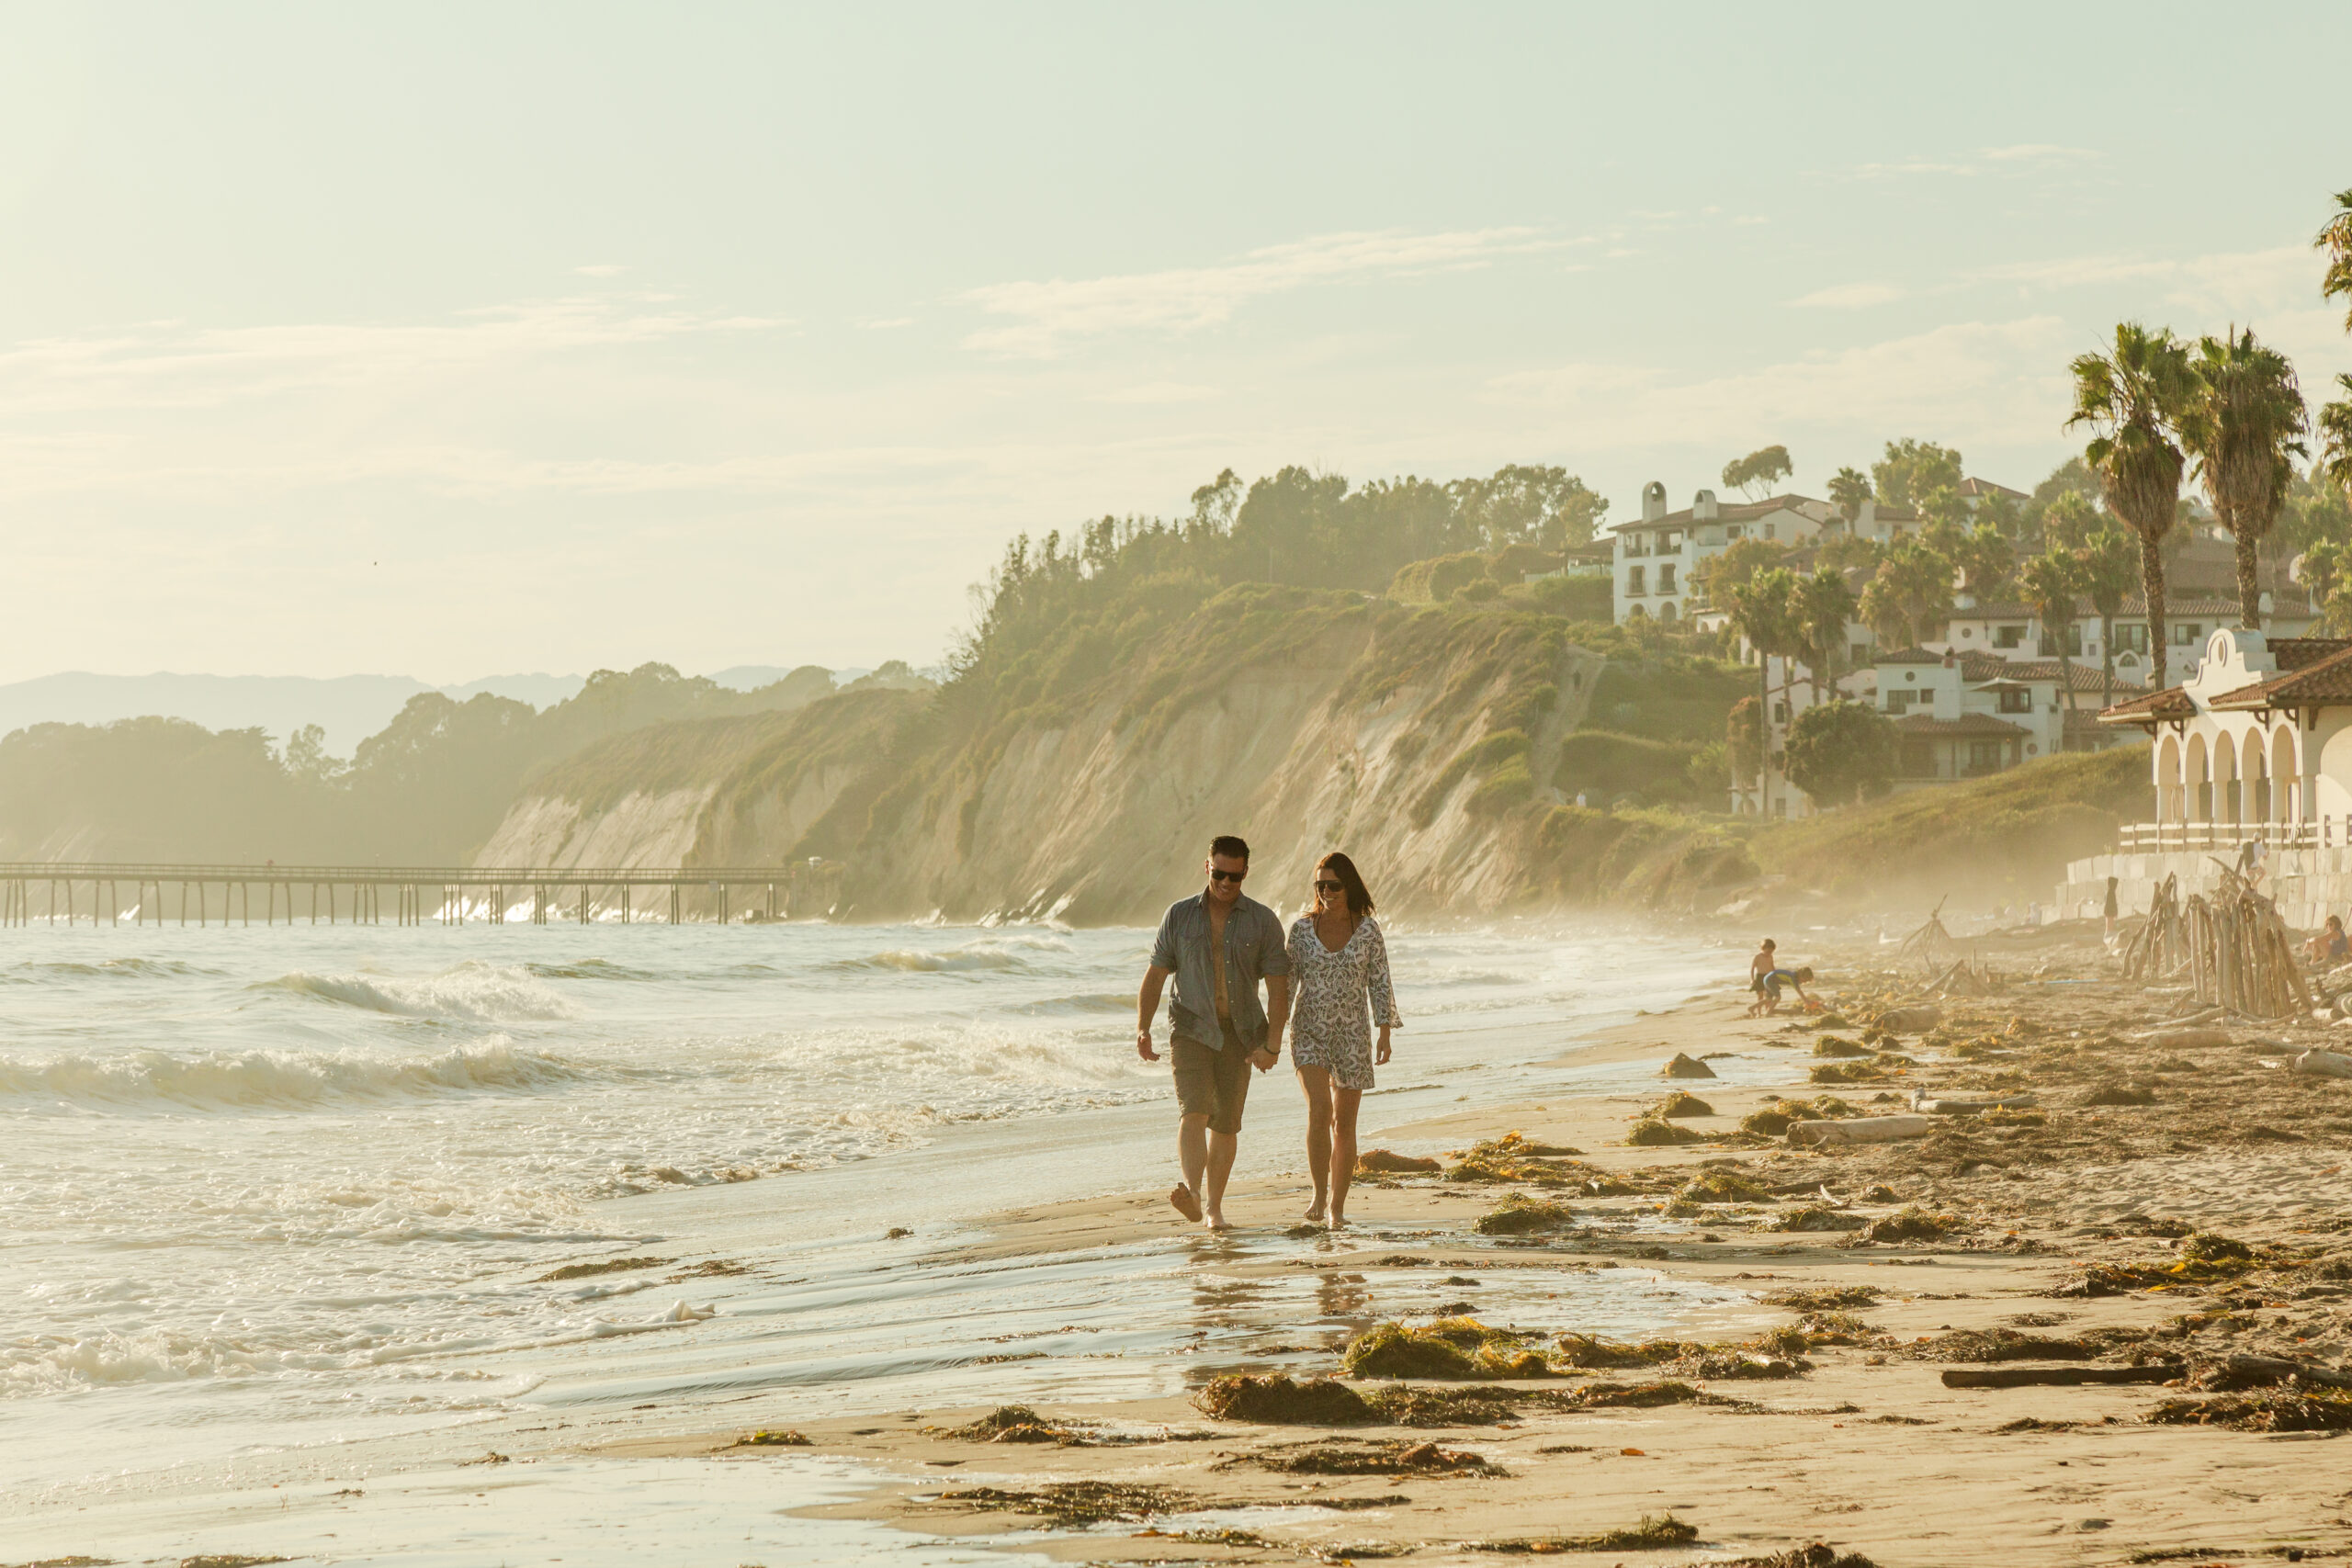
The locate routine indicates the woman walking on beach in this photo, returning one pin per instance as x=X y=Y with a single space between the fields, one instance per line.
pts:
x=1339 y=964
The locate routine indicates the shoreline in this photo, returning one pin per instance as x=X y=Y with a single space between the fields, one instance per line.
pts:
x=1866 y=1449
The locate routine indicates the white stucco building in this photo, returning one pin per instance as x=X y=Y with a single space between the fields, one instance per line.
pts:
x=1656 y=553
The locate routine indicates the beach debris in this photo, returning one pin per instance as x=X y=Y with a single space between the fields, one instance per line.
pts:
x=2118 y=1094
x=1649 y=1131
x=1686 y=1066
x=1831 y=1020
x=1589 y=1351
x=1814 y=1217
x=1451 y=1348
x=1911 y=1222
x=1363 y=1455
x=1861 y=1130
x=2324 y=1064
x=2241 y=955
x=2237 y=1373
x=2039 y=1377
x=1403 y=1405
x=2160 y=944
x=1721 y=1185
x=207 y=1559
x=1654 y=1532
x=1983 y=1345
x=611 y=1266
x=2266 y=1411
x=896 y=1232
x=1815 y=1554
x=1521 y=1215
x=1915 y=1019
x=1974 y=1104
x=1682 y=1102
x=1848 y=1072
x=1823 y=1298
x=1516 y=1158
x=2034 y=1424
x=1277 y=1399
x=1637 y=1396
x=1016 y=1424
x=1921 y=943
x=709 y=1268
x=1387 y=1162
x=1070 y=1503
x=1838 y=1045
x=2197 y=1037
x=773 y=1437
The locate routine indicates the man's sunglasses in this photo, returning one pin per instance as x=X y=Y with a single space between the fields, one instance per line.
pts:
x=1323 y=886
x=1227 y=876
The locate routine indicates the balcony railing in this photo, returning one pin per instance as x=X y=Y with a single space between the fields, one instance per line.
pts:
x=2321 y=833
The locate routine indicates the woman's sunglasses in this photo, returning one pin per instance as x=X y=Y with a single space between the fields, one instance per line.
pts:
x=1323 y=886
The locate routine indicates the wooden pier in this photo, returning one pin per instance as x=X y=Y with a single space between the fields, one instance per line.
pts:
x=412 y=896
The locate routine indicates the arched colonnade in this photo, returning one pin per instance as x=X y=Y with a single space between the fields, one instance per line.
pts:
x=2213 y=777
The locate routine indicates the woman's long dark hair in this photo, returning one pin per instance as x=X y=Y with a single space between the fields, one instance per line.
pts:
x=1351 y=881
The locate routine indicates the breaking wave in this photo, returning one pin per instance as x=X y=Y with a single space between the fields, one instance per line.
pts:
x=473 y=992
x=267 y=1078
x=990 y=953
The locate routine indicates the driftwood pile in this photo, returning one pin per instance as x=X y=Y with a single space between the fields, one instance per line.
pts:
x=2161 y=944
x=2240 y=954
x=1921 y=945
x=1970 y=976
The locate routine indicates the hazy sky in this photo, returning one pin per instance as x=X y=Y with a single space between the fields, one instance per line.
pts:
x=447 y=340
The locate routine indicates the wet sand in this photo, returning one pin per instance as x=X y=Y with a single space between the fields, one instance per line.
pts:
x=2061 y=1238
x=1867 y=1450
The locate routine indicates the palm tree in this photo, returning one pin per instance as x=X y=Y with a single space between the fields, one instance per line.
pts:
x=2050 y=583
x=2334 y=237
x=1849 y=487
x=1883 y=611
x=2133 y=400
x=1763 y=610
x=2335 y=435
x=1823 y=606
x=1921 y=581
x=2244 y=429
x=2107 y=570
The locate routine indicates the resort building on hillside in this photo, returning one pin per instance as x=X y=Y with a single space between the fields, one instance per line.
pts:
x=1963 y=716
x=1655 y=556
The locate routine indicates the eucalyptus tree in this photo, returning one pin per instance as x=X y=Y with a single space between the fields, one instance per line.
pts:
x=2133 y=400
x=2107 y=570
x=2244 y=427
x=2050 y=583
x=1754 y=475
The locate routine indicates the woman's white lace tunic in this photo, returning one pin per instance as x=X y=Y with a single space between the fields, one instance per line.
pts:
x=1330 y=1022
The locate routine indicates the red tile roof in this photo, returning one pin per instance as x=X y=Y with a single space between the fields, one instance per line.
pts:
x=2323 y=679
x=2155 y=708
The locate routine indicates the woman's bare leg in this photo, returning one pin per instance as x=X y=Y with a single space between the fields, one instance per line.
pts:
x=1343 y=1149
x=1315 y=1083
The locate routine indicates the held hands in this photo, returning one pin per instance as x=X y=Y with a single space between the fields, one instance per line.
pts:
x=1263 y=1059
x=1381 y=1058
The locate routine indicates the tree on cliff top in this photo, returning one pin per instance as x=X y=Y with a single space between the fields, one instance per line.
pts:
x=1755 y=475
x=1839 y=752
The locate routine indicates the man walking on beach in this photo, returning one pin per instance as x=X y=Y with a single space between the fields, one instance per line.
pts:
x=1218 y=945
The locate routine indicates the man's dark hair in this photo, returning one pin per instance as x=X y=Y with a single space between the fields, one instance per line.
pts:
x=1232 y=846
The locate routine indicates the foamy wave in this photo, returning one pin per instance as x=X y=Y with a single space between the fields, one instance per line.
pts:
x=279 y=1078
x=105 y=969
x=991 y=953
x=473 y=992
x=49 y=1364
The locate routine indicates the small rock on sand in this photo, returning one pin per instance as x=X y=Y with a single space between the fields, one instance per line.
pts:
x=1685 y=1065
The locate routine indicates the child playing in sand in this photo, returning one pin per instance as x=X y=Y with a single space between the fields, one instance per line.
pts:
x=1763 y=964
x=1769 y=1001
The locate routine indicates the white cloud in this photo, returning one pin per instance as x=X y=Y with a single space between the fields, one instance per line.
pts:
x=887 y=323
x=1850 y=296
x=2000 y=381
x=1045 y=315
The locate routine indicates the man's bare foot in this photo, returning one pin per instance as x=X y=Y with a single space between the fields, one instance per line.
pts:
x=1314 y=1209
x=1219 y=1222
x=1184 y=1204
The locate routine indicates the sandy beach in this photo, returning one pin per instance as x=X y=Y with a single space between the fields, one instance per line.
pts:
x=1723 y=1349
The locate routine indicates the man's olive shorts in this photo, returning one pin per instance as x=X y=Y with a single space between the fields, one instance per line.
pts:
x=1212 y=1083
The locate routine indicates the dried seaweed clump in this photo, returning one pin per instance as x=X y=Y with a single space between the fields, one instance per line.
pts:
x=1452 y=1349
x=1814 y=1217
x=1585 y=1350
x=1649 y=1131
x=1075 y=1502
x=1518 y=1215
x=1982 y=1345
x=1016 y=1424
x=1387 y=1162
x=2270 y=1410
x=1513 y=1158
x=1911 y=1223
x=2204 y=1258
x=1721 y=1186
x=1837 y=1045
x=1374 y=1456
x=1276 y=1400
x=1837 y=1328
x=1654 y=1532
x=779 y=1439
x=1774 y=1118
x=1848 y=1072
x=1408 y=1405
x=2119 y=1094
x=1637 y=1396
x=1682 y=1102
x=1817 y=1554
x=1824 y=1298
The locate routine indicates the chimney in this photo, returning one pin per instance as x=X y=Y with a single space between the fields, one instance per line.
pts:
x=1702 y=507
x=1653 y=501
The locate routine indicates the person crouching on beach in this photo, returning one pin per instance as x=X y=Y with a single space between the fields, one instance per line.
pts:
x=1769 y=1002
x=1339 y=961
x=1218 y=945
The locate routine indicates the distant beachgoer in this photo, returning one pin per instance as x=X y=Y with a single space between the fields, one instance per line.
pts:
x=1218 y=945
x=1339 y=961
x=1763 y=964
x=2109 y=912
x=2331 y=946
x=1769 y=1001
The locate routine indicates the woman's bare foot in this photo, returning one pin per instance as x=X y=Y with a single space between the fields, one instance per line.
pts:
x=1338 y=1221
x=1219 y=1222
x=1183 y=1200
x=1314 y=1209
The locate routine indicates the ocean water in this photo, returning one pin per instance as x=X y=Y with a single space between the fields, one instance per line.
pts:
x=272 y=1190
